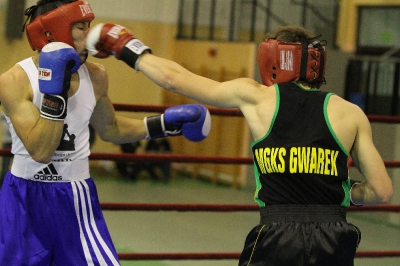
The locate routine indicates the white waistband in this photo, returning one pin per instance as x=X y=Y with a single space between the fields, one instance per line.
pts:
x=25 y=167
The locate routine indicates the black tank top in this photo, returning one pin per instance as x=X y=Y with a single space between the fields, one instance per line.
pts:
x=300 y=160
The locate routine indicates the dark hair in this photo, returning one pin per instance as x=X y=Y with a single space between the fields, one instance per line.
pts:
x=291 y=34
x=295 y=34
x=42 y=7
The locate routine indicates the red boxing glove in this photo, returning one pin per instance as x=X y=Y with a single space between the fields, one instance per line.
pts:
x=113 y=39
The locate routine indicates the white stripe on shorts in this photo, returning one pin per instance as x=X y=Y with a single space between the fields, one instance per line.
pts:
x=81 y=193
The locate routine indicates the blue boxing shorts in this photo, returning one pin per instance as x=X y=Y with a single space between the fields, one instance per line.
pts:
x=52 y=223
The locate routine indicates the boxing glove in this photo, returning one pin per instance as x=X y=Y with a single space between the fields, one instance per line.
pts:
x=113 y=39
x=57 y=62
x=190 y=120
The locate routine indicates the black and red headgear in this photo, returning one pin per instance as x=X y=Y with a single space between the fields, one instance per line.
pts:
x=284 y=62
x=56 y=25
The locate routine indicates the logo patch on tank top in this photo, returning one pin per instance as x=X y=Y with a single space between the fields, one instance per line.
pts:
x=49 y=173
x=308 y=160
x=67 y=142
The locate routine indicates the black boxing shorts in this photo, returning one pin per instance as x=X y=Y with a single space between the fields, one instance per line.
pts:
x=301 y=235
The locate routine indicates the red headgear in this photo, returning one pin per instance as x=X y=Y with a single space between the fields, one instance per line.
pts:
x=56 y=25
x=284 y=62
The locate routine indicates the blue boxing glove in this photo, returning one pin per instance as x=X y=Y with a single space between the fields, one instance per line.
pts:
x=57 y=62
x=193 y=121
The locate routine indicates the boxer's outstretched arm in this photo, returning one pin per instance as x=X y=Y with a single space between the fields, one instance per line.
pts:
x=112 y=39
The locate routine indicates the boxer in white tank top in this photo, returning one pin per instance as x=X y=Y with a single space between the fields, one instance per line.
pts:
x=70 y=159
x=49 y=208
x=55 y=190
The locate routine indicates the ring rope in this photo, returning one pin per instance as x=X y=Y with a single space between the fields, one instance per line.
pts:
x=229 y=111
x=131 y=157
x=179 y=256
x=220 y=207
x=161 y=108
x=170 y=158
x=231 y=255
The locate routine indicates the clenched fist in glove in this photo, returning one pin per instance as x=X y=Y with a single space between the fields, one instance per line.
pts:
x=190 y=120
x=113 y=39
x=57 y=62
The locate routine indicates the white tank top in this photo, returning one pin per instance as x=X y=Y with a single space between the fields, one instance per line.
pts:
x=70 y=160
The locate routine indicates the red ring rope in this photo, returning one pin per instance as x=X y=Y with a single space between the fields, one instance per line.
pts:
x=170 y=158
x=229 y=112
x=230 y=256
x=127 y=157
x=178 y=256
x=219 y=207
x=161 y=108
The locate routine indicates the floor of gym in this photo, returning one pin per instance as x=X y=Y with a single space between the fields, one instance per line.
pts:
x=197 y=232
